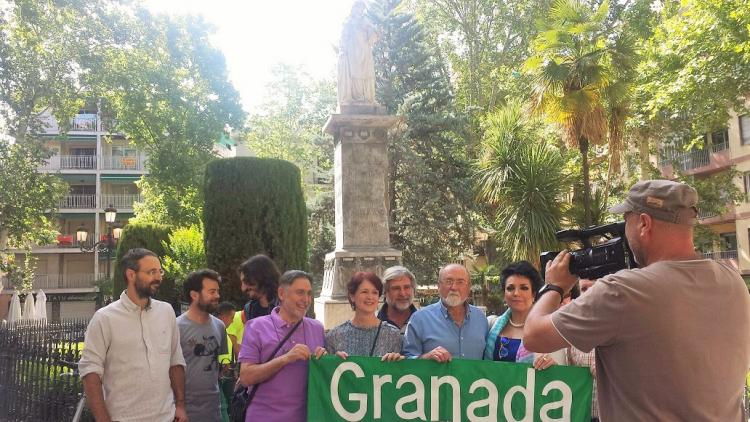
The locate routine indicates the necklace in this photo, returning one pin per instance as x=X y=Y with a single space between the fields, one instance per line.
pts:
x=510 y=321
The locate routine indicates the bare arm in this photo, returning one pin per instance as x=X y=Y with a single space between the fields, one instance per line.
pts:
x=177 y=379
x=539 y=334
x=92 y=387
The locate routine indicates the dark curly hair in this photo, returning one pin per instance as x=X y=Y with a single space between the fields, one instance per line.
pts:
x=524 y=269
x=261 y=271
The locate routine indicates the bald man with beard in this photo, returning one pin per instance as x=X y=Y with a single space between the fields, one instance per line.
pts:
x=451 y=327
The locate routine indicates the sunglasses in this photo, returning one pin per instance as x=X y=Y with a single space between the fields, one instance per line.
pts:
x=504 y=341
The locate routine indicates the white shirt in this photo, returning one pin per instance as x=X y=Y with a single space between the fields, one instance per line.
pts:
x=132 y=349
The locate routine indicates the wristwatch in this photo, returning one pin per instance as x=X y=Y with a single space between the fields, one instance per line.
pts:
x=550 y=288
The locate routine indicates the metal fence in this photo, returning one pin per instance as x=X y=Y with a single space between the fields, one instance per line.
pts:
x=38 y=376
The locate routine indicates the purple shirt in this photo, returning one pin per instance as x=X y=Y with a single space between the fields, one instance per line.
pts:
x=282 y=397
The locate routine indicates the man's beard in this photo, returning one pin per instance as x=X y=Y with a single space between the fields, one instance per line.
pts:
x=453 y=299
x=207 y=307
x=399 y=305
x=144 y=290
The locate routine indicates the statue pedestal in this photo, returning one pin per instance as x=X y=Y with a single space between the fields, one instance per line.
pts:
x=332 y=307
x=362 y=201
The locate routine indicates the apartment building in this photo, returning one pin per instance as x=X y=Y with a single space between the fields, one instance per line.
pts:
x=101 y=171
x=723 y=149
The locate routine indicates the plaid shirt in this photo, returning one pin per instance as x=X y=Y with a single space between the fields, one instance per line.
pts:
x=578 y=358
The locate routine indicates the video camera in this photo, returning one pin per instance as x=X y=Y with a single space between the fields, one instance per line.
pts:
x=593 y=261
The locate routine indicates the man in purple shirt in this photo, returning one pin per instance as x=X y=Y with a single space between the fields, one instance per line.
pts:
x=281 y=379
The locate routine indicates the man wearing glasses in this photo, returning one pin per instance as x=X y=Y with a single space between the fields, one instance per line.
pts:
x=132 y=365
x=451 y=327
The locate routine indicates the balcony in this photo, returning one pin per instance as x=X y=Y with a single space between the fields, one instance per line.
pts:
x=137 y=163
x=720 y=255
x=83 y=123
x=119 y=201
x=708 y=160
x=70 y=162
x=61 y=281
x=92 y=162
x=78 y=202
x=728 y=257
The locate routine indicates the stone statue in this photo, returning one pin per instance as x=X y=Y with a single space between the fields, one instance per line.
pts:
x=356 y=70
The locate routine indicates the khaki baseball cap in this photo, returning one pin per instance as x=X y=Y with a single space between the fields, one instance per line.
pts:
x=665 y=200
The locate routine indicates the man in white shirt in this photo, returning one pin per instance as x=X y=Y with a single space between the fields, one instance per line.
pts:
x=132 y=365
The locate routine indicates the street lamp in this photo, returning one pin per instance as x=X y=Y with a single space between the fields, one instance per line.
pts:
x=103 y=246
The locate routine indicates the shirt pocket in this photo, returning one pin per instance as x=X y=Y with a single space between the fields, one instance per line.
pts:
x=163 y=341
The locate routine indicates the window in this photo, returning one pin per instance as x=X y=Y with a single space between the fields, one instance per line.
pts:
x=746 y=182
x=729 y=241
x=720 y=140
x=745 y=129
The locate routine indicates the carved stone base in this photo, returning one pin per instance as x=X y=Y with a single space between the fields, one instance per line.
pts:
x=332 y=312
x=332 y=307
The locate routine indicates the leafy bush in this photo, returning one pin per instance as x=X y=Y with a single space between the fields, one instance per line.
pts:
x=253 y=205
x=184 y=253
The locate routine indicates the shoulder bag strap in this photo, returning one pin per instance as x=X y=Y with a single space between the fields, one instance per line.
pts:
x=273 y=354
x=374 y=342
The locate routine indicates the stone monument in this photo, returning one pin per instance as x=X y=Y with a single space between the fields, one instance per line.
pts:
x=360 y=133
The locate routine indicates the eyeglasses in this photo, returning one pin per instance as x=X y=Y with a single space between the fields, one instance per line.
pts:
x=457 y=283
x=504 y=351
x=153 y=272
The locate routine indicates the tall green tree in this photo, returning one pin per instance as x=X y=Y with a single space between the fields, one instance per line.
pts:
x=697 y=64
x=484 y=41
x=432 y=212
x=572 y=69
x=26 y=196
x=520 y=175
x=170 y=94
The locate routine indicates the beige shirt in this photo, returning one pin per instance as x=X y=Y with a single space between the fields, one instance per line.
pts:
x=132 y=350
x=672 y=341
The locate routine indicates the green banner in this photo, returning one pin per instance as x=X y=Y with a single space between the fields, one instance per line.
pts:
x=366 y=389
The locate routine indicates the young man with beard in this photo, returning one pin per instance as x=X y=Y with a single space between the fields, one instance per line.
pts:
x=451 y=327
x=399 y=291
x=202 y=338
x=132 y=365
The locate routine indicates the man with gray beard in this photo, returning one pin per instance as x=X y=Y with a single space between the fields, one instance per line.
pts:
x=450 y=327
x=399 y=287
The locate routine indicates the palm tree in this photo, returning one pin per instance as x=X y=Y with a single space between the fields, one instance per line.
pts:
x=571 y=68
x=521 y=178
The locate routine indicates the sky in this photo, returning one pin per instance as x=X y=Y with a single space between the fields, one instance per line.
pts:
x=254 y=35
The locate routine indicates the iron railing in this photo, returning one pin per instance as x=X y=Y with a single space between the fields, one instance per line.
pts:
x=119 y=201
x=83 y=123
x=137 y=162
x=38 y=371
x=66 y=281
x=720 y=255
x=94 y=162
x=78 y=201
x=70 y=162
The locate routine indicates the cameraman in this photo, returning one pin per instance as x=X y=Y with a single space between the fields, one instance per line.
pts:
x=672 y=338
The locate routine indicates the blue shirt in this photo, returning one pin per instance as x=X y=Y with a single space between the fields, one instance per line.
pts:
x=432 y=326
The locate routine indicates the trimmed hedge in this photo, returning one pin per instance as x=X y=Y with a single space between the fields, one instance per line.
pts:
x=149 y=236
x=253 y=205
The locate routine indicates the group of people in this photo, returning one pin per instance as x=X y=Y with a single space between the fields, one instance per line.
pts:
x=671 y=338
